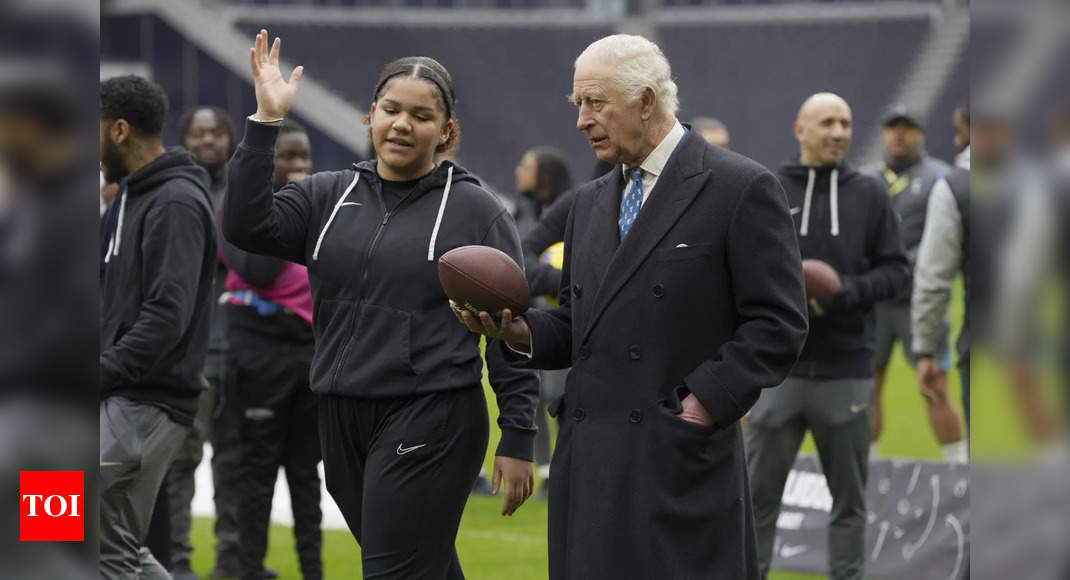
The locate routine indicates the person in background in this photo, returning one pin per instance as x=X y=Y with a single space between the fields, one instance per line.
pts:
x=544 y=181
x=268 y=307
x=1030 y=198
x=208 y=133
x=712 y=130
x=844 y=218
x=544 y=277
x=156 y=302
x=542 y=178
x=943 y=254
x=910 y=174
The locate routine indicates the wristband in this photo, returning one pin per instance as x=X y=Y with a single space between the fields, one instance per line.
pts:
x=265 y=121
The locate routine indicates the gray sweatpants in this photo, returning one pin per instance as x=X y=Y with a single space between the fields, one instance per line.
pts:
x=837 y=414
x=137 y=443
x=218 y=419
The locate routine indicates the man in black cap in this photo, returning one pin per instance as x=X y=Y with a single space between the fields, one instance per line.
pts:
x=910 y=174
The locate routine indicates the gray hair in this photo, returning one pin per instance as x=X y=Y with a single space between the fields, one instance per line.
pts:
x=637 y=64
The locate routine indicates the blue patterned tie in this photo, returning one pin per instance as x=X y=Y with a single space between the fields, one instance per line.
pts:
x=630 y=203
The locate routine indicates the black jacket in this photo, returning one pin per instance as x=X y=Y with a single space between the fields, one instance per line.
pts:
x=156 y=288
x=550 y=229
x=854 y=229
x=383 y=325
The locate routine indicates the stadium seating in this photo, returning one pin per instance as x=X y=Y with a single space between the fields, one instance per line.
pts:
x=526 y=4
x=756 y=87
x=513 y=79
x=512 y=82
x=146 y=38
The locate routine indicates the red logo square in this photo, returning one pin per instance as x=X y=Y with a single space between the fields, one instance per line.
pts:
x=51 y=506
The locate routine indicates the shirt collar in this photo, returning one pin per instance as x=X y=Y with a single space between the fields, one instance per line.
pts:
x=655 y=163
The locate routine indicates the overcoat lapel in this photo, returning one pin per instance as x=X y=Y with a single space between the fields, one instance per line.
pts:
x=682 y=180
x=602 y=235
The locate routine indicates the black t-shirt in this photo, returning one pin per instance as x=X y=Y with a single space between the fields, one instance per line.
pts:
x=395 y=191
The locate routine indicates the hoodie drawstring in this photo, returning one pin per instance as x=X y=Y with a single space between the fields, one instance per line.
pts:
x=438 y=220
x=341 y=201
x=806 y=204
x=117 y=235
x=834 y=202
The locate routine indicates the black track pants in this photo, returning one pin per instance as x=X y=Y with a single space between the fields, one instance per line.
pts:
x=401 y=470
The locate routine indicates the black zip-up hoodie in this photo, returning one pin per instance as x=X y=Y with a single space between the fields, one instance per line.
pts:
x=844 y=218
x=382 y=323
x=156 y=287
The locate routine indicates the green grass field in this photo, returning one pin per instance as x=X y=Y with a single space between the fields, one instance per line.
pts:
x=494 y=547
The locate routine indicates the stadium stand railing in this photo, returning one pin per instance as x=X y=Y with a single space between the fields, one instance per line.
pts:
x=514 y=68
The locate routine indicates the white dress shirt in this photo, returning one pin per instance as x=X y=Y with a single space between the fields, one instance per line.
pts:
x=654 y=164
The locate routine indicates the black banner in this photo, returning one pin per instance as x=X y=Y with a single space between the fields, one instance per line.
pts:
x=917 y=521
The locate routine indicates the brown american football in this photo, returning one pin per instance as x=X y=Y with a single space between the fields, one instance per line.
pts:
x=481 y=278
x=821 y=279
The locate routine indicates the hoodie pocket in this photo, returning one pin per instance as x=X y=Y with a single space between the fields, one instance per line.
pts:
x=378 y=354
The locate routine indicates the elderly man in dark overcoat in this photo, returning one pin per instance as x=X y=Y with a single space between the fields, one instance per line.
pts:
x=681 y=299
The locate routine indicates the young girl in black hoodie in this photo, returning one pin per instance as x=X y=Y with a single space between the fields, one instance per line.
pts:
x=402 y=416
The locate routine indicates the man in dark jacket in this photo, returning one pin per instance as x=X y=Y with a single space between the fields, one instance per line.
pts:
x=208 y=133
x=542 y=177
x=155 y=305
x=843 y=218
x=544 y=278
x=268 y=310
x=681 y=299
